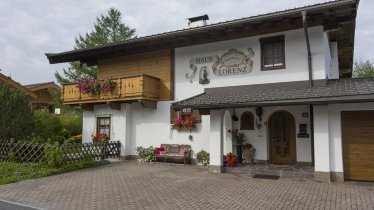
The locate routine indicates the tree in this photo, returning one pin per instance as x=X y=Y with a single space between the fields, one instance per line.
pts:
x=108 y=29
x=17 y=120
x=363 y=69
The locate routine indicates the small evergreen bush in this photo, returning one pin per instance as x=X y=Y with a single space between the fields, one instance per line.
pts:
x=202 y=158
x=146 y=155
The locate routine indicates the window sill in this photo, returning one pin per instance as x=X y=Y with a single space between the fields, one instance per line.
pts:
x=273 y=68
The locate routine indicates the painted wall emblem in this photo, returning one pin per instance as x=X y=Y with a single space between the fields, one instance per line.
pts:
x=233 y=62
x=204 y=76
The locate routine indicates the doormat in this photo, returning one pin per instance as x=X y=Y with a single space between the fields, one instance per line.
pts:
x=261 y=176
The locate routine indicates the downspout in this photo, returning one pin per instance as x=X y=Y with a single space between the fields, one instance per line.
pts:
x=303 y=13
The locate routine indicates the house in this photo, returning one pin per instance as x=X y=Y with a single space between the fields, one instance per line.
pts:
x=286 y=77
x=44 y=99
x=5 y=80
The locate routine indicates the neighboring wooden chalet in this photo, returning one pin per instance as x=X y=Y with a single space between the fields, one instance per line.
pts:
x=283 y=79
x=44 y=99
x=17 y=86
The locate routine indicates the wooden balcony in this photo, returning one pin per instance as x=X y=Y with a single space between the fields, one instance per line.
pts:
x=139 y=88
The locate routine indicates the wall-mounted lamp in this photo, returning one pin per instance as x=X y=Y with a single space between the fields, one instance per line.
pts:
x=234 y=117
x=258 y=119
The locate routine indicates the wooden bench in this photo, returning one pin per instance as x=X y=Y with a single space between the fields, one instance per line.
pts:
x=172 y=152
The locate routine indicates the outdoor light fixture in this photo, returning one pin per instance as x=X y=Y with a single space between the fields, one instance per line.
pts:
x=259 y=112
x=234 y=117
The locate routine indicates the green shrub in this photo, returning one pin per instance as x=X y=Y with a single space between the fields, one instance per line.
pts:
x=146 y=155
x=72 y=124
x=16 y=118
x=11 y=157
x=13 y=172
x=51 y=128
x=202 y=158
x=48 y=127
x=87 y=157
x=54 y=156
x=75 y=139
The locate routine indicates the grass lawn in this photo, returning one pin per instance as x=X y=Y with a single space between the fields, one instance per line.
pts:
x=14 y=172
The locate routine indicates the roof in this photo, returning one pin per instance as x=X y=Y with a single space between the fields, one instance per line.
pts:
x=44 y=85
x=331 y=13
x=289 y=93
x=7 y=80
x=202 y=17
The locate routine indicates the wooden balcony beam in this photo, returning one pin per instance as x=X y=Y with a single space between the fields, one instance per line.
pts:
x=148 y=104
x=88 y=107
x=115 y=105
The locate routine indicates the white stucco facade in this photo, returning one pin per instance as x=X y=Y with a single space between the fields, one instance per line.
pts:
x=135 y=126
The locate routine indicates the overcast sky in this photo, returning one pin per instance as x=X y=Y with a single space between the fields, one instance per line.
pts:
x=28 y=29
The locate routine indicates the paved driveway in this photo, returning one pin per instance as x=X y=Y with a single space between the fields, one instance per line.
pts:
x=128 y=185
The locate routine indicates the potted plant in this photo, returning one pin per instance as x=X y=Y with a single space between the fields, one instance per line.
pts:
x=229 y=160
x=89 y=86
x=95 y=87
x=239 y=137
x=145 y=155
x=188 y=122
x=202 y=158
x=107 y=85
x=248 y=152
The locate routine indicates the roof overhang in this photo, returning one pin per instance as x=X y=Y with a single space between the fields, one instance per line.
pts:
x=282 y=94
x=16 y=85
x=335 y=15
x=41 y=86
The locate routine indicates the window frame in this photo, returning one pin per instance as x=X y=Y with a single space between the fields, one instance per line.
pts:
x=249 y=125
x=98 y=124
x=269 y=40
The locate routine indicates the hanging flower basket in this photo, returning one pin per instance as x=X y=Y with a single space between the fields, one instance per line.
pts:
x=187 y=122
x=107 y=85
x=95 y=87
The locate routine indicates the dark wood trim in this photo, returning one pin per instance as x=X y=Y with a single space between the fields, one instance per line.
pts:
x=88 y=107
x=172 y=73
x=311 y=115
x=268 y=40
x=114 y=105
x=148 y=104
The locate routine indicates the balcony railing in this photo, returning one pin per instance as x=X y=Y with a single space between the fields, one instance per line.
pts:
x=132 y=88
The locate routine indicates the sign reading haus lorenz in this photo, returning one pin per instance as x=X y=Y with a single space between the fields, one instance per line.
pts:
x=233 y=62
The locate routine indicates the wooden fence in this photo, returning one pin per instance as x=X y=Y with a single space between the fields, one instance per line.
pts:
x=25 y=151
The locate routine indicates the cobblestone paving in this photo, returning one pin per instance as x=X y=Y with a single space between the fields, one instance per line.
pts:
x=128 y=185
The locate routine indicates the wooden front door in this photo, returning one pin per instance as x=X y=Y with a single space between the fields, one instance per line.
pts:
x=358 y=145
x=282 y=138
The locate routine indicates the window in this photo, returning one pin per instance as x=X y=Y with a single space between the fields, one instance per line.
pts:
x=272 y=53
x=247 y=121
x=103 y=126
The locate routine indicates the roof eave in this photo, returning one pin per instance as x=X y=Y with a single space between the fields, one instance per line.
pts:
x=88 y=55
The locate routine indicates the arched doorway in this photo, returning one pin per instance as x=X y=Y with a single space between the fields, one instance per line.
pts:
x=282 y=138
x=227 y=136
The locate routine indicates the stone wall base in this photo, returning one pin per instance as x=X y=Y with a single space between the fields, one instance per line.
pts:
x=322 y=176
x=216 y=169
x=129 y=157
x=329 y=176
x=337 y=176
